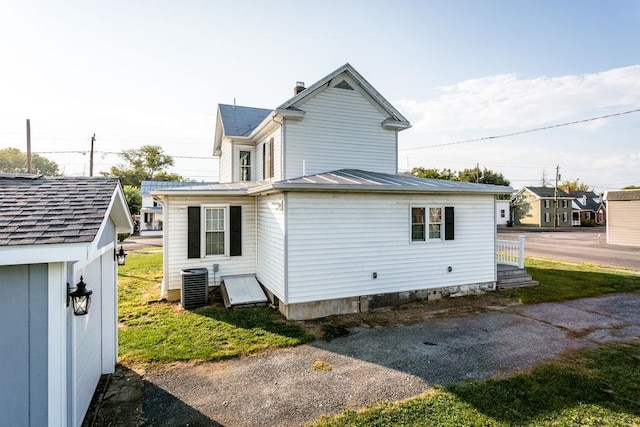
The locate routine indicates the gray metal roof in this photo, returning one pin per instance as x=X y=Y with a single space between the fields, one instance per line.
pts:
x=45 y=210
x=241 y=121
x=146 y=187
x=358 y=180
x=211 y=188
x=344 y=180
x=623 y=195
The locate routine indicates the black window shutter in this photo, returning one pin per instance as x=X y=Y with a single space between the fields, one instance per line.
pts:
x=193 y=232
x=235 y=229
x=448 y=223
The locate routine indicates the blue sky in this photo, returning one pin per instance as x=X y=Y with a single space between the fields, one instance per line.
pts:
x=152 y=72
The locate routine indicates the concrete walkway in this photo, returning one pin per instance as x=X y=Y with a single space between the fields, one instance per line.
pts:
x=282 y=389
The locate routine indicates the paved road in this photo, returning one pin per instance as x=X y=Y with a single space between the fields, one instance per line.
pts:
x=282 y=388
x=585 y=245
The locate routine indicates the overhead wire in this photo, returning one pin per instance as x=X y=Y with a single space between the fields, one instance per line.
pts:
x=506 y=135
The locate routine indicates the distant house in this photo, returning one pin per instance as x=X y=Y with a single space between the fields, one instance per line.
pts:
x=151 y=210
x=54 y=233
x=535 y=207
x=588 y=207
x=311 y=206
x=623 y=222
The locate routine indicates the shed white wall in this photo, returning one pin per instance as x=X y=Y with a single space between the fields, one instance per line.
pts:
x=502 y=205
x=340 y=130
x=336 y=241
x=86 y=342
x=175 y=231
x=623 y=222
x=271 y=251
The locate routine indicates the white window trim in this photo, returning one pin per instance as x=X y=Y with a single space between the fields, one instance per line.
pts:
x=236 y=161
x=426 y=224
x=203 y=231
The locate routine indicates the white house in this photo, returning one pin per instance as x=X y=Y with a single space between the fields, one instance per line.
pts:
x=310 y=203
x=55 y=233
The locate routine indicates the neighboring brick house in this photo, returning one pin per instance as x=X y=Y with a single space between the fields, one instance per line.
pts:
x=534 y=207
x=588 y=206
x=623 y=222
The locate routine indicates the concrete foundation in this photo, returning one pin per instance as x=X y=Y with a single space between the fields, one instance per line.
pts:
x=318 y=309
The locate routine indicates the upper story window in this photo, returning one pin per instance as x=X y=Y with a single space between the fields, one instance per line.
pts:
x=246 y=164
x=565 y=203
x=547 y=204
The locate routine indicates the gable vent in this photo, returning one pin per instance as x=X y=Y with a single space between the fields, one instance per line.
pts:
x=344 y=85
x=195 y=288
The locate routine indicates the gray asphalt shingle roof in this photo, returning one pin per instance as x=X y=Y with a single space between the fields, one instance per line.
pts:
x=241 y=121
x=46 y=210
x=623 y=195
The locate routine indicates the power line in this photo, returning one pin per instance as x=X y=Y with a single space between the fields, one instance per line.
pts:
x=523 y=131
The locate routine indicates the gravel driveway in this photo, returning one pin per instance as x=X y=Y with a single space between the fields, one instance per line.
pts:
x=281 y=388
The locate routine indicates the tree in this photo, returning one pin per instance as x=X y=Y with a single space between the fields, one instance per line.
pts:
x=446 y=174
x=485 y=176
x=133 y=197
x=574 y=185
x=147 y=163
x=13 y=160
x=632 y=187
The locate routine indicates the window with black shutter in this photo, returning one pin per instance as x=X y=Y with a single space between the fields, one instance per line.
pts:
x=235 y=230
x=449 y=223
x=193 y=232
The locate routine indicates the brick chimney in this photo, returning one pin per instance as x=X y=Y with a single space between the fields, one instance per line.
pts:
x=299 y=88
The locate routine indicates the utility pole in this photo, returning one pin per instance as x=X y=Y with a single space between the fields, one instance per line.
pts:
x=28 y=146
x=93 y=139
x=555 y=198
x=477 y=173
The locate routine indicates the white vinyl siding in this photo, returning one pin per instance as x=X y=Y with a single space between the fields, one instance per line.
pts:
x=332 y=251
x=341 y=129
x=623 y=222
x=259 y=165
x=271 y=232
x=226 y=172
x=175 y=255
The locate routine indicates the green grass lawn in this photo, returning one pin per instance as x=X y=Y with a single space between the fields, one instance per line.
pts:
x=563 y=281
x=597 y=387
x=163 y=332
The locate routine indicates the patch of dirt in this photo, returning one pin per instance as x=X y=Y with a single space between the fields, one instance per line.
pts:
x=409 y=314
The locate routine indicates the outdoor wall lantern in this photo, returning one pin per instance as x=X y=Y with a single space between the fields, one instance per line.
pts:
x=80 y=298
x=121 y=257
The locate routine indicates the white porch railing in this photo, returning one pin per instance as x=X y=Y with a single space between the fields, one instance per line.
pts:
x=510 y=252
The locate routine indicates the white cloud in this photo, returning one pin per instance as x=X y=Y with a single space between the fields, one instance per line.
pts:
x=507 y=101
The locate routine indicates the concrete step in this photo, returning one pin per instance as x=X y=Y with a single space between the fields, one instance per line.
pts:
x=524 y=284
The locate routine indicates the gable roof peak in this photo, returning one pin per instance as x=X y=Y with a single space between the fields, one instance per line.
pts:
x=360 y=81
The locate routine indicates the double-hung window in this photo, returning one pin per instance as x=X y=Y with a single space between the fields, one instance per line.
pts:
x=435 y=223
x=214 y=231
x=245 y=165
x=417 y=224
x=432 y=223
x=267 y=159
